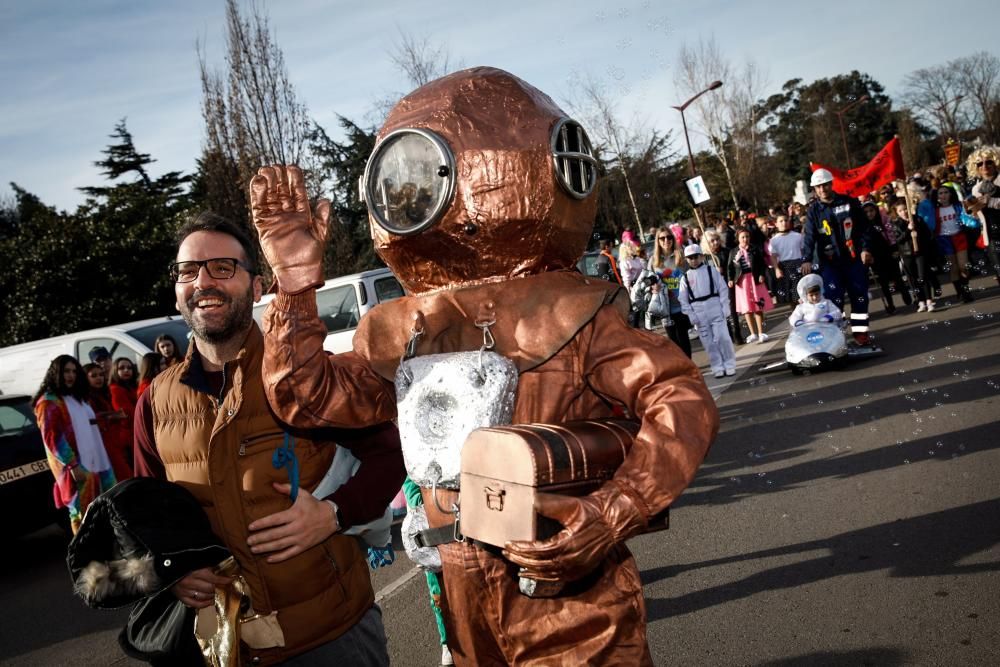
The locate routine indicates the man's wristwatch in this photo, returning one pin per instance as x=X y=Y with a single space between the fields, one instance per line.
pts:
x=336 y=515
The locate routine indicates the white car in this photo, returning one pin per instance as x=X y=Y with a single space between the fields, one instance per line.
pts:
x=23 y=366
x=342 y=301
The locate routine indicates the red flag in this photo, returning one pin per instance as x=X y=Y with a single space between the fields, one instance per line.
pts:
x=884 y=168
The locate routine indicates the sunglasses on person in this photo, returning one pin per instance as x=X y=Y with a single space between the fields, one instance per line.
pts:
x=989 y=162
x=220 y=268
x=664 y=238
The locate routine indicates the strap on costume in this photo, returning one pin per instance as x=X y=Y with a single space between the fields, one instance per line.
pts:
x=284 y=457
x=433 y=537
x=711 y=290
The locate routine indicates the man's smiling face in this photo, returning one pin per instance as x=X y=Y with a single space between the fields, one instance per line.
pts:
x=216 y=309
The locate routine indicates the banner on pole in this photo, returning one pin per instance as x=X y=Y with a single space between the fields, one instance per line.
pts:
x=885 y=167
x=952 y=152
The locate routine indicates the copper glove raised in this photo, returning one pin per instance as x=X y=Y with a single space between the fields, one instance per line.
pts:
x=292 y=237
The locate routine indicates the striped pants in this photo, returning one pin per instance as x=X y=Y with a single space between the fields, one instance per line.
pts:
x=851 y=278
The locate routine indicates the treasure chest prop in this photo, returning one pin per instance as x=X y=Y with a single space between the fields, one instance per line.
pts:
x=504 y=467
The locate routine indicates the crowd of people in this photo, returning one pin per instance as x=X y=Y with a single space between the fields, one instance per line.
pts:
x=903 y=237
x=85 y=414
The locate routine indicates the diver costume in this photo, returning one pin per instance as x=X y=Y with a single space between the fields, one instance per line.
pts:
x=480 y=192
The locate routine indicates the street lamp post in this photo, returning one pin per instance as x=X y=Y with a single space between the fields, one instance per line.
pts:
x=840 y=119
x=687 y=139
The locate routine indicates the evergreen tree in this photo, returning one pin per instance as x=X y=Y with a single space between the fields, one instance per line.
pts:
x=103 y=264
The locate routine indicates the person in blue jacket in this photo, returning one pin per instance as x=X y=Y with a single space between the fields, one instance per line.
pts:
x=837 y=238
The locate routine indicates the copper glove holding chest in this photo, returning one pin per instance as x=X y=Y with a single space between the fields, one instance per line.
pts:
x=504 y=468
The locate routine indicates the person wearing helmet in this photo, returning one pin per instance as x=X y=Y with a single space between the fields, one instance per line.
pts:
x=813 y=306
x=704 y=297
x=837 y=238
x=497 y=327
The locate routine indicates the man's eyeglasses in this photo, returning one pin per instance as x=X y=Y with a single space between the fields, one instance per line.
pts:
x=220 y=268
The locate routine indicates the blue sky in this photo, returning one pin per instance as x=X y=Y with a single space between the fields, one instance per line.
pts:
x=72 y=69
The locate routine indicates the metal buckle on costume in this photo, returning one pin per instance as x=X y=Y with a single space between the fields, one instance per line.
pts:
x=457 y=535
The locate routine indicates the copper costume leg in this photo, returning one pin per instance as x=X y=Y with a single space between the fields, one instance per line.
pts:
x=599 y=621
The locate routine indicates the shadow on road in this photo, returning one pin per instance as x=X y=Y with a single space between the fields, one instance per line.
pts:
x=927 y=545
x=724 y=488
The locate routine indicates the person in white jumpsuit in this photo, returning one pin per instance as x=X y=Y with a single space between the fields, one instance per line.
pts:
x=813 y=306
x=704 y=298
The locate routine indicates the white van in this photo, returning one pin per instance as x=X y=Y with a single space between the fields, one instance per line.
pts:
x=342 y=301
x=22 y=367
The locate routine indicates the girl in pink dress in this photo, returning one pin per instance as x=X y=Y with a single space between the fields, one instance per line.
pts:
x=746 y=271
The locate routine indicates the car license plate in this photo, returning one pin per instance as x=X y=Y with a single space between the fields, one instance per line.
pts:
x=20 y=472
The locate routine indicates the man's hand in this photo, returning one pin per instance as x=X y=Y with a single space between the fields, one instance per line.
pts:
x=302 y=526
x=197 y=590
x=293 y=239
x=806 y=268
x=593 y=525
x=866 y=258
x=778 y=273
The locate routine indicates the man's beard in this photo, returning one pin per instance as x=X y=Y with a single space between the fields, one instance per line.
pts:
x=235 y=323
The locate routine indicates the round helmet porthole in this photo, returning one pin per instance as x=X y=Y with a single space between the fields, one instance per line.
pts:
x=409 y=180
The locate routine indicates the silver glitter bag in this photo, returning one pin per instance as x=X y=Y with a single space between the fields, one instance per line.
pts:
x=441 y=399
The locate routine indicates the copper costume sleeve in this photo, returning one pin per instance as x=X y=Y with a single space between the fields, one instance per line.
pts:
x=664 y=389
x=308 y=388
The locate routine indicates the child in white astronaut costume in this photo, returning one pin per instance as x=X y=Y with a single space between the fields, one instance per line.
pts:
x=813 y=306
x=704 y=298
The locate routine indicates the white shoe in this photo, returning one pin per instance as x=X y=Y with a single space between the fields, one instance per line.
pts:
x=763 y=338
x=731 y=372
x=751 y=338
x=719 y=374
x=446 y=658
x=930 y=306
x=922 y=307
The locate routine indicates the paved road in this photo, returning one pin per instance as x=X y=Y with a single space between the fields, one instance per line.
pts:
x=845 y=518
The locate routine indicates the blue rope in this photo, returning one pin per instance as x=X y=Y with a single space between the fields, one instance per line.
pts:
x=284 y=457
x=381 y=556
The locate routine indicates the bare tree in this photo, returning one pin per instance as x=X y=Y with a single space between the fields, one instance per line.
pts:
x=729 y=118
x=935 y=94
x=420 y=61
x=596 y=110
x=252 y=114
x=979 y=79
